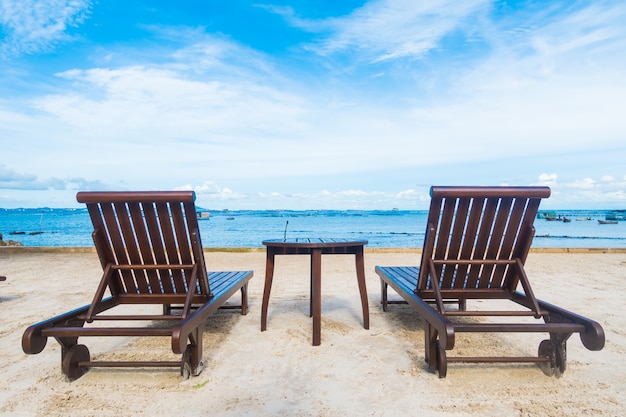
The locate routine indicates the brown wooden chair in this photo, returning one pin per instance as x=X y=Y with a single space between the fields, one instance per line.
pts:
x=477 y=240
x=151 y=253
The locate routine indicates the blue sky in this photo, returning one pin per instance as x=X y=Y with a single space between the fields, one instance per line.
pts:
x=312 y=105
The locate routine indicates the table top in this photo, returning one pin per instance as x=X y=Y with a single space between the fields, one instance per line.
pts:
x=317 y=242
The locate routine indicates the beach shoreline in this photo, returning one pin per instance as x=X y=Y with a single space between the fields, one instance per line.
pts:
x=91 y=249
x=355 y=372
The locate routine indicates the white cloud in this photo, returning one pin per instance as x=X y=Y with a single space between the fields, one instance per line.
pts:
x=390 y=29
x=585 y=183
x=32 y=26
x=407 y=194
x=167 y=102
x=547 y=179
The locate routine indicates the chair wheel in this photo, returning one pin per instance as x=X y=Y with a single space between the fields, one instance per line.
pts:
x=70 y=363
x=32 y=341
x=547 y=349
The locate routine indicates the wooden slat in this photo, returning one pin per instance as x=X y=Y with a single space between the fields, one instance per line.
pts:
x=469 y=241
x=130 y=364
x=163 y=284
x=136 y=317
x=105 y=331
x=115 y=238
x=171 y=248
x=103 y=247
x=519 y=327
x=443 y=233
x=523 y=242
x=429 y=240
x=196 y=242
x=132 y=251
x=159 y=299
x=183 y=241
x=404 y=276
x=496 y=313
x=151 y=276
x=454 y=246
x=498 y=359
x=125 y=196
x=510 y=234
x=495 y=240
x=482 y=240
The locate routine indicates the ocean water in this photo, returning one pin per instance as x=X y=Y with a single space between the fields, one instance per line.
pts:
x=383 y=229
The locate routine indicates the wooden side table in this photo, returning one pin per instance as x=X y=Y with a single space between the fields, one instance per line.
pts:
x=315 y=247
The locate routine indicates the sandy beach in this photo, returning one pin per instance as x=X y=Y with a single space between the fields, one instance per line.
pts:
x=355 y=372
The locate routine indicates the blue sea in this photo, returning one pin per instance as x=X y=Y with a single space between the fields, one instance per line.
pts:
x=248 y=228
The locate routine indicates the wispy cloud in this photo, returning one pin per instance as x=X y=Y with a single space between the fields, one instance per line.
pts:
x=12 y=180
x=32 y=26
x=584 y=192
x=387 y=29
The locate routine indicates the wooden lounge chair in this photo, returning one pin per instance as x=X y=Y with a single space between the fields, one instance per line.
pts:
x=151 y=254
x=477 y=240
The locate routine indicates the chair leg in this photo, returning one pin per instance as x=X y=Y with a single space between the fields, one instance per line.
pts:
x=244 y=299
x=196 y=351
x=430 y=346
x=442 y=361
x=383 y=294
x=560 y=342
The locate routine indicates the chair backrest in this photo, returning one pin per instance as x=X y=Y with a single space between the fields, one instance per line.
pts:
x=151 y=239
x=478 y=225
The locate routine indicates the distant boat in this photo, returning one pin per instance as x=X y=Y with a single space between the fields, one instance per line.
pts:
x=607 y=221
x=566 y=219
x=230 y=218
x=203 y=215
x=615 y=215
x=548 y=215
x=583 y=219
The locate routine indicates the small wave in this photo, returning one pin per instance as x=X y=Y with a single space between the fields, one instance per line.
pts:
x=563 y=237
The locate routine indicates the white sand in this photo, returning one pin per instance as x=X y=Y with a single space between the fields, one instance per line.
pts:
x=355 y=372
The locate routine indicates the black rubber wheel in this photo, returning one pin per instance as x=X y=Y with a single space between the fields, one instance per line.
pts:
x=71 y=360
x=547 y=349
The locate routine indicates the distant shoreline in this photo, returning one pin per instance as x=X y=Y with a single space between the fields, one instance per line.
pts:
x=84 y=249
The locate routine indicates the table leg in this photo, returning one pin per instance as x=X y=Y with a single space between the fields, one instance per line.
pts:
x=316 y=294
x=360 y=276
x=269 y=275
x=311 y=274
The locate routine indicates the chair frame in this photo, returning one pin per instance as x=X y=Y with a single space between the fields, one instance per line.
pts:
x=476 y=244
x=151 y=253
